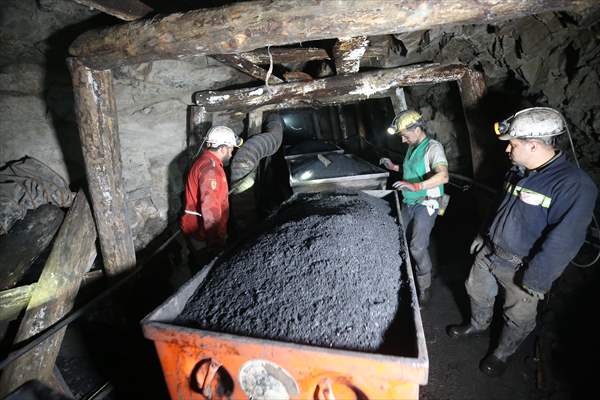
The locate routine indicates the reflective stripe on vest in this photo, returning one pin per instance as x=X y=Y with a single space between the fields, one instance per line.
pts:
x=193 y=213
x=528 y=196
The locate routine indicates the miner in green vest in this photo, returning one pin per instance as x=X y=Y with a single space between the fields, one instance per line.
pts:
x=424 y=173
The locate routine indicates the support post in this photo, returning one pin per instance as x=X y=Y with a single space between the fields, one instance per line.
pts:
x=96 y=113
x=472 y=90
x=399 y=101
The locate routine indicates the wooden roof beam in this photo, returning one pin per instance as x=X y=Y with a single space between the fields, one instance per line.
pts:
x=332 y=90
x=242 y=27
x=286 y=55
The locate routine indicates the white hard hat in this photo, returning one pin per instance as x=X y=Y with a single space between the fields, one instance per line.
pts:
x=222 y=135
x=535 y=122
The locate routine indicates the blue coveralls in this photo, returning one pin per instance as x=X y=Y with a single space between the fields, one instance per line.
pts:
x=538 y=228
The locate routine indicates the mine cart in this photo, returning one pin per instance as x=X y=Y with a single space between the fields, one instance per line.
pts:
x=321 y=173
x=199 y=364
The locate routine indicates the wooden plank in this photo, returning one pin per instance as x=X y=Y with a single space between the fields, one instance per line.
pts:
x=331 y=90
x=127 y=10
x=286 y=55
x=72 y=254
x=26 y=241
x=247 y=67
x=347 y=54
x=96 y=113
x=246 y=26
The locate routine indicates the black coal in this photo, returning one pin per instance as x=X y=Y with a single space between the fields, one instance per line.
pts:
x=324 y=272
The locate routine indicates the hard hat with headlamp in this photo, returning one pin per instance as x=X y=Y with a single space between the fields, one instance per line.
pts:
x=530 y=123
x=405 y=120
x=222 y=136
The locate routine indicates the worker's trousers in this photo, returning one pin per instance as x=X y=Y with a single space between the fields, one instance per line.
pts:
x=489 y=271
x=418 y=224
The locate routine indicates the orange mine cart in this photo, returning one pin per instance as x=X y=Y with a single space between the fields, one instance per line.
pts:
x=201 y=364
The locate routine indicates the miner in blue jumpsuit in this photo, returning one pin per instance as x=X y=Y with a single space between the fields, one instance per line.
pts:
x=539 y=226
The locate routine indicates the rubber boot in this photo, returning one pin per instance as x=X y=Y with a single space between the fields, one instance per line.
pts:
x=481 y=318
x=510 y=339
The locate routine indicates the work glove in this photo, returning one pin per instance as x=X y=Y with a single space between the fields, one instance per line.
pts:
x=410 y=187
x=477 y=244
x=533 y=292
x=387 y=163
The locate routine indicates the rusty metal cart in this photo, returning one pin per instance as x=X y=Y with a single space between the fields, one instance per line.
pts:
x=200 y=364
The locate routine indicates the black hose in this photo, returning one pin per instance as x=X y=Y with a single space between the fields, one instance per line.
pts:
x=257 y=147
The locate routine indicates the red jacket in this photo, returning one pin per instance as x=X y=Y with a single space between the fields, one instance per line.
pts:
x=206 y=201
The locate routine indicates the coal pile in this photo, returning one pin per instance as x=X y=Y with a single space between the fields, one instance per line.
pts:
x=325 y=271
x=333 y=165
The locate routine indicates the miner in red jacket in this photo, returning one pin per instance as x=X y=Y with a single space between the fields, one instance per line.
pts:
x=206 y=192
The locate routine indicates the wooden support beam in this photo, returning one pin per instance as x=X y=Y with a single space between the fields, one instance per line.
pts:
x=335 y=125
x=360 y=125
x=247 y=67
x=255 y=120
x=286 y=55
x=347 y=54
x=25 y=241
x=199 y=123
x=399 y=101
x=245 y=26
x=127 y=10
x=73 y=253
x=96 y=113
x=472 y=90
x=332 y=90
x=343 y=122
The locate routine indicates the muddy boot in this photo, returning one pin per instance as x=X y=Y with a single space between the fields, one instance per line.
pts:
x=492 y=366
x=481 y=318
x=510 y=340
x=463 y=331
